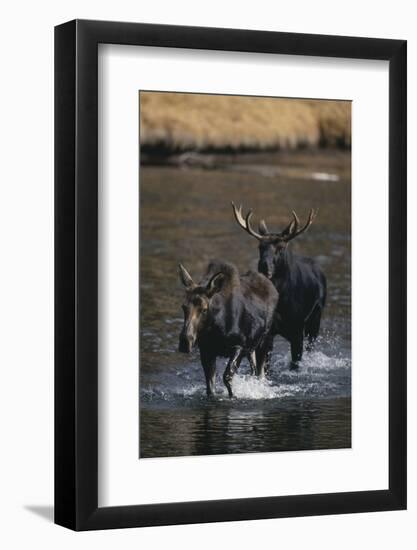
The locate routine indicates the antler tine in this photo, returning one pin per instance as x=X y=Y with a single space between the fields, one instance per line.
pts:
x=311 y=217
x=296 y=220
x=238 y=215
x=250 y=229
x=262 y=224
x=291 y=227
x=245 y=222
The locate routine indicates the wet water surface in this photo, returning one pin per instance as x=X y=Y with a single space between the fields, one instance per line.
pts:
x=185 y=216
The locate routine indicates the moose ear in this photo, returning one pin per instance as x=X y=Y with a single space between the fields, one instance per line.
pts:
x=263 y=230
x=185 y=277
x=215 y=284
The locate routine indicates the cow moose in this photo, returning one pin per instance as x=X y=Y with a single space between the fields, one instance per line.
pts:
x=227 y=315
x=300 y=283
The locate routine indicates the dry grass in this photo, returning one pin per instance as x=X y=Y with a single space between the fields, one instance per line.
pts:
x=193 y=121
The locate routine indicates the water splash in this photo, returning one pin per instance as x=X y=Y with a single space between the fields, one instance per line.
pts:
x=319 y=361
x=319 y=375
x=244 y=387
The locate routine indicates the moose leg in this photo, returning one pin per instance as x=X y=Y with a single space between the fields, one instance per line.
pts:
x=263 y=356
x=209 y=365
x=312 y=328
x=296 y=350
x=269 y=348
x=252 y=362
x=231 y=368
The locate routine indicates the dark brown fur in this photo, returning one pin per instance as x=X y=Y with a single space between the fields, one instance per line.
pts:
x=227 y=315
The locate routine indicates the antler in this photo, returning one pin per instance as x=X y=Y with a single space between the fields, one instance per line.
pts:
x=291 y=227
x=296 y=231
x=290 y=232
x=245 y=222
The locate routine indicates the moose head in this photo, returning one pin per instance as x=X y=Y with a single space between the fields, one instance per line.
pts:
x=272 y=246
x=196 y=306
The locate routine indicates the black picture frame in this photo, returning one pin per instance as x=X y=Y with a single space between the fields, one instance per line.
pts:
x=76 y=272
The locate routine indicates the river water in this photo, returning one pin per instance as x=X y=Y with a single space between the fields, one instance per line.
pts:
x=185 y=216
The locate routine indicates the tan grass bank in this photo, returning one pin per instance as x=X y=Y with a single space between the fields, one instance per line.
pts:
x=199 y=122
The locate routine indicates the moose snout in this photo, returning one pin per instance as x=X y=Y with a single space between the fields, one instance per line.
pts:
x=185 y=344
x=265 y=269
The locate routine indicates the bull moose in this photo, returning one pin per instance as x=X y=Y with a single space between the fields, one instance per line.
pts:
x=299 y=280
x=227 y=315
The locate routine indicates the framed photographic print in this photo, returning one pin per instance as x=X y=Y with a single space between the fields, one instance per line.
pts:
x=230 y=248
